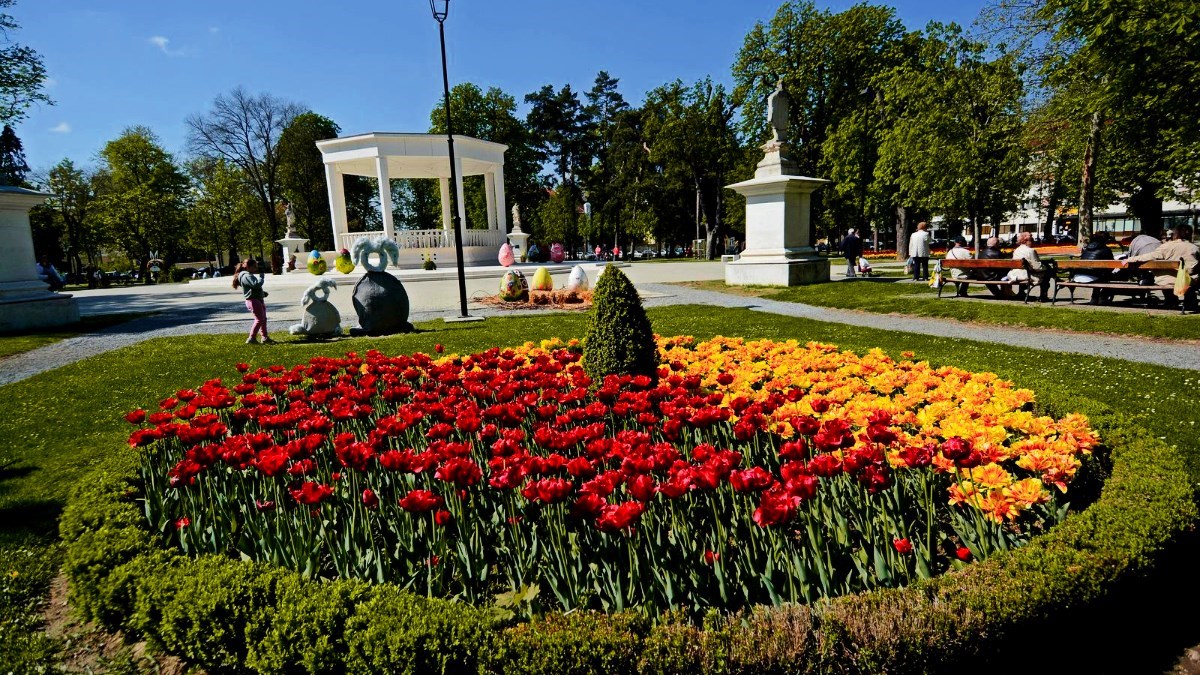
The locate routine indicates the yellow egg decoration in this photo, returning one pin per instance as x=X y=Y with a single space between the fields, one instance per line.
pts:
x=542 y=280
x=344 y=263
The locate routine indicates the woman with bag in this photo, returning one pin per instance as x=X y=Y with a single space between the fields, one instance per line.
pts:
x=247 y=277
x=918 y=249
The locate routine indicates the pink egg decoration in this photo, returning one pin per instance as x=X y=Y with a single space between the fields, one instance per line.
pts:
x=506 y=255
x=556 y=253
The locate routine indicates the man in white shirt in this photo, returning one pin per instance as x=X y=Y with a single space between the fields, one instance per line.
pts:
x=959 y=252
x=918 y=250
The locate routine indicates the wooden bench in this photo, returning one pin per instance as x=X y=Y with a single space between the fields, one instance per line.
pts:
x=1104 y=267
x=987 y=264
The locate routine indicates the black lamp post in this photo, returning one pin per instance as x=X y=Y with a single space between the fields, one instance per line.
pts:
x=440 y=9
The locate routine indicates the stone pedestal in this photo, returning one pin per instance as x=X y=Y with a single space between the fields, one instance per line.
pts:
x=294 y=246
x=518 y=240
x=779 y=249
x=26 y=302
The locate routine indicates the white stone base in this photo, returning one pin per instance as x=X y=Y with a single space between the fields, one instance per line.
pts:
x=24 y=314
x=777 y=271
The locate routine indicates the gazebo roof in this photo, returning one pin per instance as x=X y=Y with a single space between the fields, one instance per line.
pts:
x=410 y=155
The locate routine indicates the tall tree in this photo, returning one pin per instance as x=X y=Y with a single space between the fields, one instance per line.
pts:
x=142 y=196
x=690 y=134
x=22 y=73
x=244 y=130
x=13 y=167
x=491 y=116
x=1130 y=66
x=302 y=175
x=557 y=127
x=825 y=61
x=222 y=211
x=953 y=143
x=73 y=201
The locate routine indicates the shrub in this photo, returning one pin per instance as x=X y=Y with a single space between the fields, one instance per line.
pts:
x=1040 y=601
x=619 y=337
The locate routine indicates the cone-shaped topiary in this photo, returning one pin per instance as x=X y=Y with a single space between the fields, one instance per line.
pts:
x=619 y=338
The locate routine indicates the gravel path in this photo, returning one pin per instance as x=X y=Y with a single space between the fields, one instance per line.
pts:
x=217 y=317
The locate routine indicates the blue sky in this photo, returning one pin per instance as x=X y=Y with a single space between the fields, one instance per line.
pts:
x=367 y=64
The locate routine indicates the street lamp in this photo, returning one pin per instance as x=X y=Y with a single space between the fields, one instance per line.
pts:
x=440 y=9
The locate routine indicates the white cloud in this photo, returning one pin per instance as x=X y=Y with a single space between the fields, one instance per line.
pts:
x=164 y=44
x=214 y=30
x=49 y=83
x=61 y=128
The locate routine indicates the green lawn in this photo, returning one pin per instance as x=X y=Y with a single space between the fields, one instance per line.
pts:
x=885 y=296
x=16 y=343
x=68 y=420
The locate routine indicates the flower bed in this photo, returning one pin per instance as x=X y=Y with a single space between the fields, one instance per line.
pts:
x=749 y=473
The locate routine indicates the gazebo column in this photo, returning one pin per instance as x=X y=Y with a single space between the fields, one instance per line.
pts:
x=447 y=225
x=385 y=197
x=489 y=190
x=337 y=203
x=462 y=204
x=501 y=208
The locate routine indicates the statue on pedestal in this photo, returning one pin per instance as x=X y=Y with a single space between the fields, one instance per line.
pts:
x=516 y=218
x=290 y=216
x=778 y=105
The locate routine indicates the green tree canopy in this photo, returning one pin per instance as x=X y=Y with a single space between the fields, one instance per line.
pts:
x=302 y=176
x=22 y=73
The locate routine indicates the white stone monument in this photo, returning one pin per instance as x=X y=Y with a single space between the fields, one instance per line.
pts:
x=518 y=239
x=25 y=301
x=779 y=249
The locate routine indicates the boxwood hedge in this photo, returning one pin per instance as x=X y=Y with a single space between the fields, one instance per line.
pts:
x=1036 y=602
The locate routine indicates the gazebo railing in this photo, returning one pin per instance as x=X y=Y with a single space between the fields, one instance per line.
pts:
x=430 y=239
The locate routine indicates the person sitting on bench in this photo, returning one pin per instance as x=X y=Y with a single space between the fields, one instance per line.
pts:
x=959 y=252
x=1096 y=249
x=1179 y=248
x=1024 y=251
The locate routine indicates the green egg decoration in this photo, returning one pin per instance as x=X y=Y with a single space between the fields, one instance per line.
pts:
x=344 y=263
x=542 y=280
x=317 y=264
x=514 y=287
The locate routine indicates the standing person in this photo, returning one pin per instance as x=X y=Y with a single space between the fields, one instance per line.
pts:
x=959 y=252
x=1024 y=251
x=851 y=248
x=247 y=277
x=918 y=249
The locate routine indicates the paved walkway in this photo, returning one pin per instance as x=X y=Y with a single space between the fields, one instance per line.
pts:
x=192 y=309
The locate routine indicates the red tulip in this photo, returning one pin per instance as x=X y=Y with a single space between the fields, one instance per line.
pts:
x=420 y=501
x=903 y=546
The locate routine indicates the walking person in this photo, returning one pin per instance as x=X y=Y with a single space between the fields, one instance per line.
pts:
x=247 y=277
x=918 y=249
x=851 y=248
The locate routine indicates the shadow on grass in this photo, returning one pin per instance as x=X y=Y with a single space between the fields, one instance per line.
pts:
x=35 y=519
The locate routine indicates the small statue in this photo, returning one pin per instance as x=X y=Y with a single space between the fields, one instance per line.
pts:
x=516 y=218
x=290 y=216
x=778 y=106
x=320 y=317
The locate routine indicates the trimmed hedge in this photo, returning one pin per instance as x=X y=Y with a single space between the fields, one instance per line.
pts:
x=232 y=616
x=619 y=337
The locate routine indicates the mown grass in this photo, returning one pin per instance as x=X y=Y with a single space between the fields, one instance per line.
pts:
x=63 y=422
x=17 y=343
x=885 y=296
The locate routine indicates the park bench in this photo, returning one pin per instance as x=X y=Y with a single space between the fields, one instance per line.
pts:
x=990 y=265
x=1103 y=267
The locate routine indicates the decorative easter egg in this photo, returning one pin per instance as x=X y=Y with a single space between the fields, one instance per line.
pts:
x=514 y=286
x=556 y=253
x=506 y=255
x=542 y=280
x=535 y=253
x=578 y=281
x=344 y=263
x=317 y=264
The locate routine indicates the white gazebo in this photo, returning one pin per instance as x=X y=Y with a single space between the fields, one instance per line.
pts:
x=385 y=156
